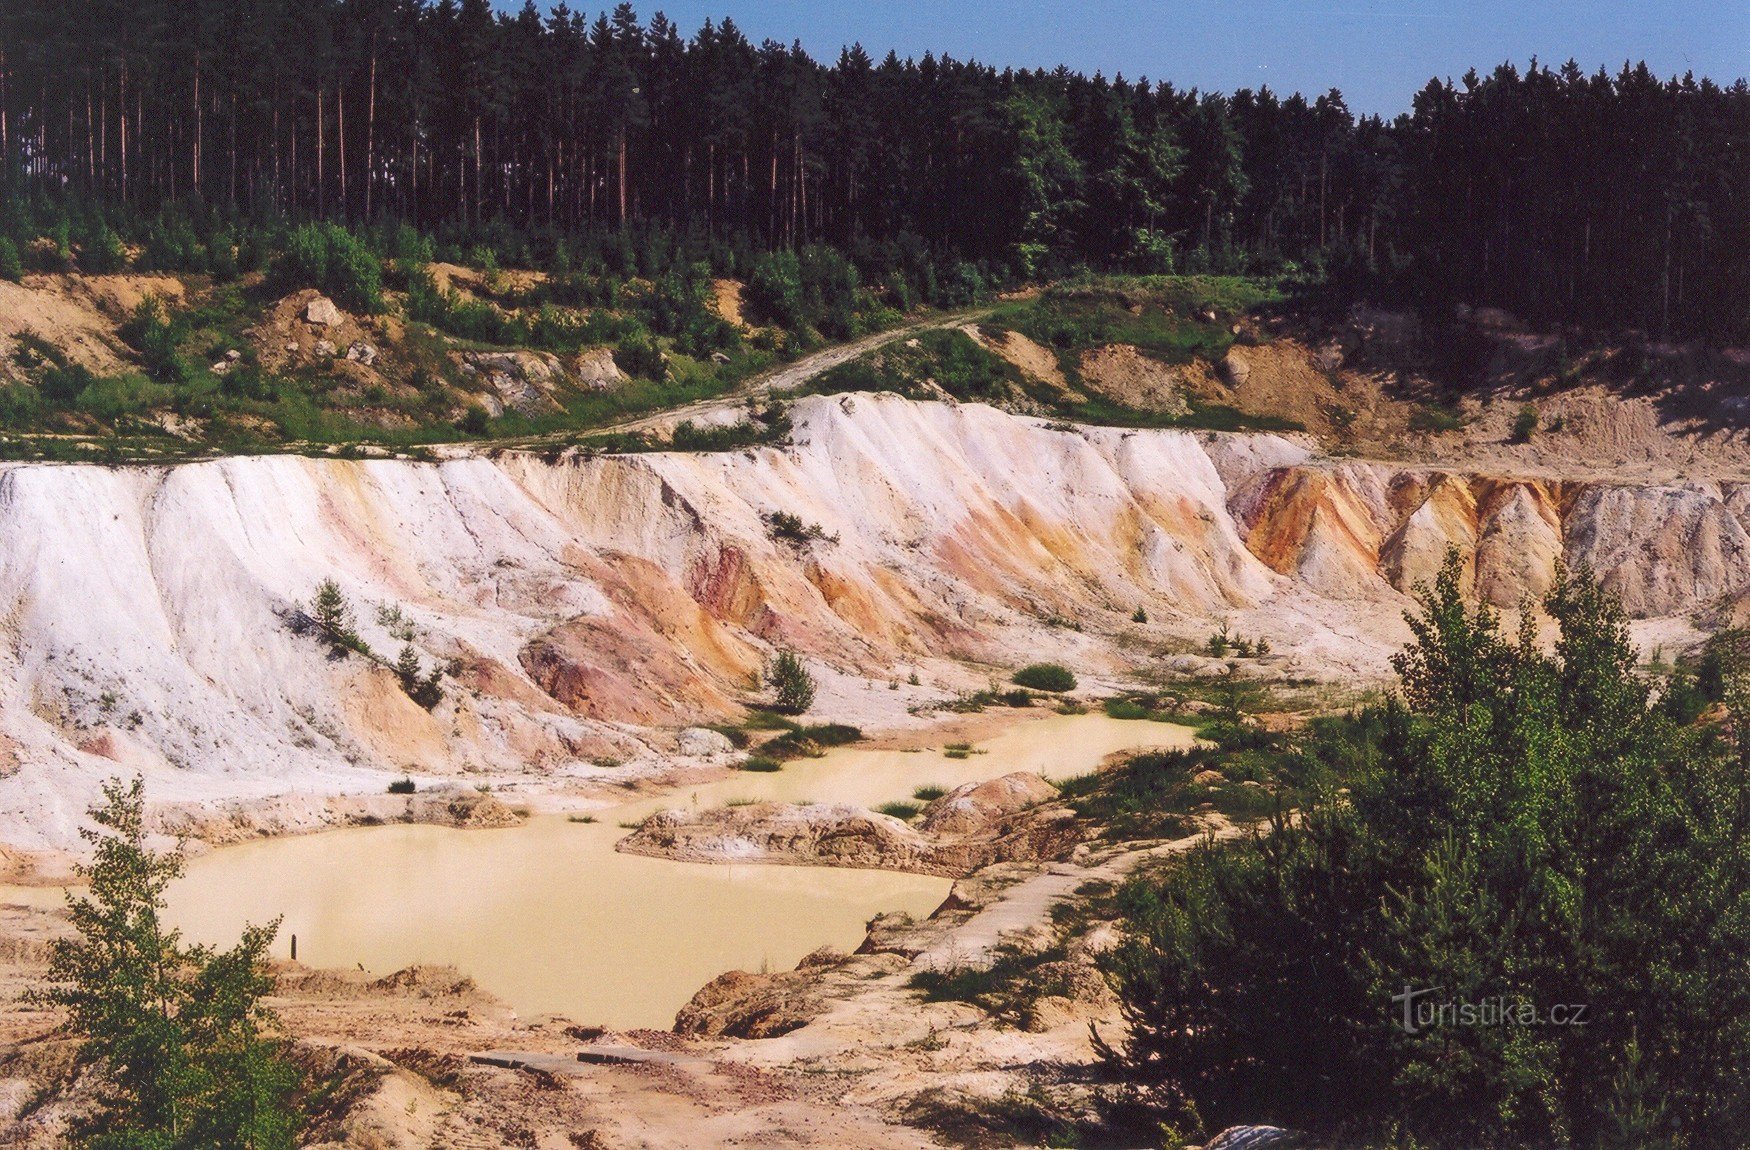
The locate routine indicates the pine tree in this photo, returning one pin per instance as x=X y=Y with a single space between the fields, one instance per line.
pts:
x=188 y=1052
x=792 y=686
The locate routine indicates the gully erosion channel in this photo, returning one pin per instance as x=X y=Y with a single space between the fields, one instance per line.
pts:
x=549 y=917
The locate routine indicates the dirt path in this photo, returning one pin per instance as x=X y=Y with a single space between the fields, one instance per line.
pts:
x=788 y=377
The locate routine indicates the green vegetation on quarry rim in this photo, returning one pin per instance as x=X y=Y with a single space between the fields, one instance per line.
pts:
x=1173 y=320
x=212 y=352
x=203 y=375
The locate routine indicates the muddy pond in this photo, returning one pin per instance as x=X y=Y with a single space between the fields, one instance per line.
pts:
x=549 y=917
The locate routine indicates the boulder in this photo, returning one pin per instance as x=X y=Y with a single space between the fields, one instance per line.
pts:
x=362 y=353
x=322 y=313
x=1234 y=368
x=595 y=369
x=701 y=742
x=977 y=807
x=326 y=349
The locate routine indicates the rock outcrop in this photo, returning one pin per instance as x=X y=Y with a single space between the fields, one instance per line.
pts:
x=968 y=828
x=520 y=380
x=741 y=1004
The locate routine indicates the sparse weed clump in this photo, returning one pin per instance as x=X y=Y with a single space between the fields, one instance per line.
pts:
x=788 y=528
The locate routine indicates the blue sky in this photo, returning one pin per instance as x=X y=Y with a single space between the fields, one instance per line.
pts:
x=1379 y=52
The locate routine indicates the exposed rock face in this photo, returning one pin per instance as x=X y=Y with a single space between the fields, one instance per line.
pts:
x=144 y=607
x=1662 y=548
x=1341 y=528
x=322 y=312
x=971 y=827
x=739 y=1004
x=522 y=380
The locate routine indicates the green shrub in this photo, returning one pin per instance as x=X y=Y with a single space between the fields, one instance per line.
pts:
x=403 y=786
x=1126 y=709
x=474 y=421
x=929 y=793
x=1046 y=677
x=61 y=385
x=1432 y=418
x=774 y=289
x=103 y=252
x=1147 y=796
x=158 y=337
x=832 y=734
x=1525 y=424
x=639 y=356
x=810 y=742
x=11 y=265
x=111 y=396
x=905 y=811
x=328 y=257
x=761 y=764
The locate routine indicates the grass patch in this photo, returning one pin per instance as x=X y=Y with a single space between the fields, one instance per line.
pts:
x=1436 y=417
x=737 y=736
x=769 y=721
x=810 y=742
x=1009 y=987
x=585 y=820
x=900 y=809
x=929 y=793
x=761 y=765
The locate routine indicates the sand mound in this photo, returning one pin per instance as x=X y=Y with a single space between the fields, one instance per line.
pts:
x=1124 y=374
x=726 y=298
x=1031 y=358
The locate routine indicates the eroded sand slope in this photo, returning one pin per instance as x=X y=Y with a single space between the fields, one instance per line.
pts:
x=589 y=605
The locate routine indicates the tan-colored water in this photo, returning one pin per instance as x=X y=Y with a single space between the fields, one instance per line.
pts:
x=551 y=918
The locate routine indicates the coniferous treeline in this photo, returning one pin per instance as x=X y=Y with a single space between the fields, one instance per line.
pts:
x=1607 y=200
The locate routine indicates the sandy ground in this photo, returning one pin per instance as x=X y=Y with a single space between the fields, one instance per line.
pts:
x=428 y=1059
